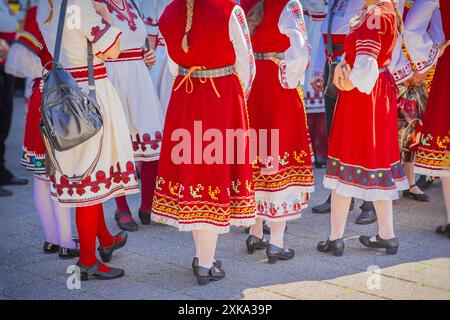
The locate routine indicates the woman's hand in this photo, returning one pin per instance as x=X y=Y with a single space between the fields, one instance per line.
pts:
x=149 y=57
x=339 y=74
x=4 y=49
x=103 y=12
x=419 y=78
x=443 y=46
x=346 y=83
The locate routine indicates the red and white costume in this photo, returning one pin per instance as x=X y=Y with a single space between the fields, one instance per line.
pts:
x=433 y=155
x=314 y=14
x=115 y=173
x=129 y=75
x=364 y=155
x=209 y=195
x=275 y=103
x=152 y=11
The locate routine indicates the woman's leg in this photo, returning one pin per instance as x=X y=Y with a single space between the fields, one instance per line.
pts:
x=149 y=170
x=340 y=206
x=277 y=233
x=43 y=203
x=409 y=171
x=257 y=229
x=446 y=191
x=64 y=222
x=385 y=217
x=206 y=242
x=104 y=237
x=87 y=224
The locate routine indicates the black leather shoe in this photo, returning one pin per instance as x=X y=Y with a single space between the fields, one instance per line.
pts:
x=416 y=196
x=106 y=252
x=391 y=245
x=275 y=253
x=368 y=214
x=266 y=229
x=7 y=178
x=5 y=193
x=205 y=275
x=217 y=263
x=444 y=230
x=335 y=247
x=254 y=243
x=424 y=182
x=50 y=248
x=145 y=217
x=67 y=253
x=92 y=272
x=131 y=226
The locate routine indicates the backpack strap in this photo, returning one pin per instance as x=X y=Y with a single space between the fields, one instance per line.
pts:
x=59 y=33
x=147 y=44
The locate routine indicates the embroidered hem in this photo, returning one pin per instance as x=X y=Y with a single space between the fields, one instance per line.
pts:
x=432 y=163
x=145 y=149
x=33 y=162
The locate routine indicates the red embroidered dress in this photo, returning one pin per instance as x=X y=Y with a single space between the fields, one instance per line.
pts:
x=115 y=173
x=433 y=155
x=211 y=194
x=275 y=104
x=364 y=155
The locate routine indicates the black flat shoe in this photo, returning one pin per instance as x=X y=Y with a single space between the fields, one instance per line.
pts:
x=131 y=226
x=368 y=214
x=266 y=229
x=391 y=245
x=445 y=230
x=335 y=247
x=205 y=275
x=254 y=243
x=87 y=273
x=106 y=252
x=424 y=182
x=145 y=217
x=67 y=253
x=50 y=248
x=5 y=193
x=7 y=178
x=416 y=196
x=274 y=253
x=217 y=263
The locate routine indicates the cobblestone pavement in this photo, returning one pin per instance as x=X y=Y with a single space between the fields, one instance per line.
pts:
x=157 y=258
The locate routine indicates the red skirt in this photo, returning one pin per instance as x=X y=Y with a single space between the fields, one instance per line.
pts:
x=196 y=187
x=282 y=191
x=364 y=154
x=433 y=155
x=33 y=155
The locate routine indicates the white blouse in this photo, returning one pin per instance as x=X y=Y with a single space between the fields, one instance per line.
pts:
x=245 y=60
x=296 y=58
x=152 y=11
x=423 y=47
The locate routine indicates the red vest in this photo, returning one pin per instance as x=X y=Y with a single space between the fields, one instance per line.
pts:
x=267 y=37
x=445 y=13
x=209 y=37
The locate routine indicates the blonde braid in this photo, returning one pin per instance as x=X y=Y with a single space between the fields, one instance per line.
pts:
x=190 y=16
x=399 y=17
x=50 y=15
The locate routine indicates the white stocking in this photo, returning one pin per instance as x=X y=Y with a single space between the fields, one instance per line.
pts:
x=206 y=242
x=385 y=217
x=277 y=233
x=63 y=220
x=43 y=203
x=446 y=190
x=340 y=206
x=257 y=229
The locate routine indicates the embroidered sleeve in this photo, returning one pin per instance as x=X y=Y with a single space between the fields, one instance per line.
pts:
x=400 y=67
x=296 y=58
x=149 y=9
x=240 y=37
x=102 y=35
x=422 y=49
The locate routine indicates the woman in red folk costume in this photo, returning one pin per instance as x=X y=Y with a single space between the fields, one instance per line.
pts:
x=131 y=78
x=364 y=156
x=114 y=173
x=198 y=189
x=283 y=176
x=433 y=155
x=27 y=57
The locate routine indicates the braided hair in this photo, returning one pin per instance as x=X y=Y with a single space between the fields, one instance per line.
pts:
x=190 y=16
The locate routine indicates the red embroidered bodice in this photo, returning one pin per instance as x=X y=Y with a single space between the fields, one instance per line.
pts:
x=209 y=38
x=267 y=36
x=373 y=33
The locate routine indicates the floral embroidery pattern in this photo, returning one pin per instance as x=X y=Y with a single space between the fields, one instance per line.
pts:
x=146 y=140
x=123 y=14
x=432 y=58
x=97 y=32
